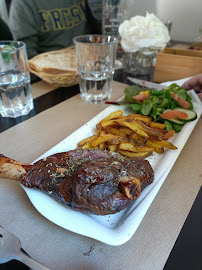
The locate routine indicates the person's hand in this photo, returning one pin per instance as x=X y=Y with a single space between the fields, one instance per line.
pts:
x=194 y=83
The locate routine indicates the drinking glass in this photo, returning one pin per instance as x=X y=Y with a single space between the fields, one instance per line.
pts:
x=114 y=13
x=95 y=60
x=15 y=89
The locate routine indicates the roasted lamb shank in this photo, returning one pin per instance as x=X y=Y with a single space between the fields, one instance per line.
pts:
x=90 y=181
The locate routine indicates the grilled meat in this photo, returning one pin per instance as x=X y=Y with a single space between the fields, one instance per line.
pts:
x=90 y=181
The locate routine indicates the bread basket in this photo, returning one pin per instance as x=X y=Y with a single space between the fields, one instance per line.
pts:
x=56 y=67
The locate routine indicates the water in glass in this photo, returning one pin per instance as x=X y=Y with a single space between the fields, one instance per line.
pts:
x=15 y=94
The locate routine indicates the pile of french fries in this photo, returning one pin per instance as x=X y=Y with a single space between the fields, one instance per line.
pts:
x=134 y=135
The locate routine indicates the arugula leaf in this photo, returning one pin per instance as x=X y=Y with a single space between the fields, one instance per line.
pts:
x=146 y=108
x=174 y=126
x=132 y=90
x=191 y=106
x=155 y=100
x=131 y=100
x=182 y=94
x=136 y=107
x=188 y=98
x=177 y=127
x=165 y=103
x=174 y=87
x=168 y=125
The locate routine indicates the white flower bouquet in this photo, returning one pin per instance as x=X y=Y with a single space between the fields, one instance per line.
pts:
x=143 y=34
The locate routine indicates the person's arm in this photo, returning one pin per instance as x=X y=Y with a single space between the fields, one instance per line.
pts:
x=23 y=23
x=194 y=83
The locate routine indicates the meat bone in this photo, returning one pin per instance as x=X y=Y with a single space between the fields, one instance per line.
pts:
x=12 y=169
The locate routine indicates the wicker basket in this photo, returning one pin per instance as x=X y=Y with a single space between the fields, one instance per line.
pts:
x=56 y=67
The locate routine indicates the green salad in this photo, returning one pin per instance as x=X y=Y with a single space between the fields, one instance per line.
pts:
x=171 y=106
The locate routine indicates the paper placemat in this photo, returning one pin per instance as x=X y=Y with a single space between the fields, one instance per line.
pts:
x=58 y=248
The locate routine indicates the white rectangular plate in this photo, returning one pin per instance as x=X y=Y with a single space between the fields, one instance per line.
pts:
x=119 y=228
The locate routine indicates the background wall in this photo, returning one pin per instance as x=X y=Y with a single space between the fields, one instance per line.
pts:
x=186 y=15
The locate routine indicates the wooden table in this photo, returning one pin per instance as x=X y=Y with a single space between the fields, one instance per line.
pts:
x=57 y=114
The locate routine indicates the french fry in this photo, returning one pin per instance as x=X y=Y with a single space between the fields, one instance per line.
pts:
x=164 y=143
x=102 y=146
x=126 y=130
x=144 y=149
x=137 y=115
x=157 y=125
x=140 y=141
x=144 y=118
x=151 y=131
x=89 y=139
x=112 y=147
x=134 y=154
x=128 y=147
x=168 y=134
x=103 y=132
x=99 y=130
x=108 y=123
x=87 y=145
x=135 y=127
x=102 y=139
x=157 y=148
x=111 y=116
x=116 y=131
x=133 y=135
x=118 y=139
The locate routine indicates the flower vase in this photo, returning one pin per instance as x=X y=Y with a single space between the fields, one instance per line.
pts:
x=139 y=63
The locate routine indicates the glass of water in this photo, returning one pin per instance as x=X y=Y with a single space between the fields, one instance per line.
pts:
x=95 y=60
x=15 y=89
